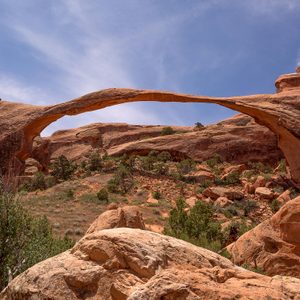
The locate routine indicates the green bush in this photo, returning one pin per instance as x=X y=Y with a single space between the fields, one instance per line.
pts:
x=156 y=195
x=275 y=206
x=147 y=163
x=38 y=182
x=260 y=167
x=232 y=178
x=24 y=240
x=197 y=226
x=62 y=168
x=94 y=162
x=235 y=230
x=186 y=166
x=102 y=195
x=161 y=168
x=249 y=206
x=212 y=162
x=122 y=181
x=199 y=125
x=164 y=156
x=167 y=131
x=282 y=166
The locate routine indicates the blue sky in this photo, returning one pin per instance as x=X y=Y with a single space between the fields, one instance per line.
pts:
x=56 y=50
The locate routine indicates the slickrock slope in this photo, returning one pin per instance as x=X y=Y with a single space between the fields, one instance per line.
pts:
x=273 y=245
x=238 y=139
x=279 y=112
x=134 y=264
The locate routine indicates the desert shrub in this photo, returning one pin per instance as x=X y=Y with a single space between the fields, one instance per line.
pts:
x=235 y=230
x=161 y=168
x=89 y=197
x=167 y=131
x=230 y=211
x=232 y=178
x=185 y=166
x=294 y=193
x=253 y=269
x=275 y=206
x=199 y=125
x=156 y=195
x=147 y=162
x=103 y=196
x=197 y=226
x=94 y=162
x=153 y=153
x=38 y=182
x=122 y=181
x=249 y=206
x=282 y=166
x=164 y=156
x=24 y=240
x=204 y=185
x=62 y=168
x=212 y=162
x=260 y=167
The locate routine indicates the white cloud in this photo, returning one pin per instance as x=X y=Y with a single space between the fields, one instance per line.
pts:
x=13 y=90
x=272 y=7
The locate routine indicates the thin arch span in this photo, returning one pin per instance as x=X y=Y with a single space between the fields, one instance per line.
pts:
x=280 y=112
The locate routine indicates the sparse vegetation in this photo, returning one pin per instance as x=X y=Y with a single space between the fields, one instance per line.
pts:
x=62 y=168
x=156 y=195
x=24 y=240
x=199 y=125
x=185 y=166
x=103 y=196
x=167 y=131
x=122 y=181
x=212 y=162
x=275 y=206
x=197 y=226
x=94 y=162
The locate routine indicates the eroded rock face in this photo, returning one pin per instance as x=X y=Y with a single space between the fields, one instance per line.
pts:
x=135 y=264
x=279 y=112
x=237 y=139
x=273 y=245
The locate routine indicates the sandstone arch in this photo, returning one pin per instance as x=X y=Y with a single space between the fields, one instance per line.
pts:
x=280 y=112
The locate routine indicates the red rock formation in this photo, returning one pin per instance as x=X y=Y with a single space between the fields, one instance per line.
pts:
x=273 y=245
x=133 y=264
x=279 y=112
x=238 y=139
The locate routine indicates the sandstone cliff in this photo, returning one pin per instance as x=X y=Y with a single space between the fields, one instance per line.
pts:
x=238 y=139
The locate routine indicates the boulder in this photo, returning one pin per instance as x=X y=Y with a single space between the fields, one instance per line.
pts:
x=273 y=245
x=259 y=182
x=233 y=169
x=134 y=264
x=284 y=196
x=215 y=192
x=264 y=193
x=127 y=216
x=223 y=202
x=200 y=176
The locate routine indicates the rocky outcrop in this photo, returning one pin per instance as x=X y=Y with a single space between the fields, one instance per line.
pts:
x=279 y=112
x=135 y=264
x=273 y=245
x=238 y=139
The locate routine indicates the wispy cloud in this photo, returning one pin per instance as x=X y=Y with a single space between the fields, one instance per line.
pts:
x=272 y=7
x=13 y=90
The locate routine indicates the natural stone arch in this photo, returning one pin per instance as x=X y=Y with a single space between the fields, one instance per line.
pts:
x=280 y=112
